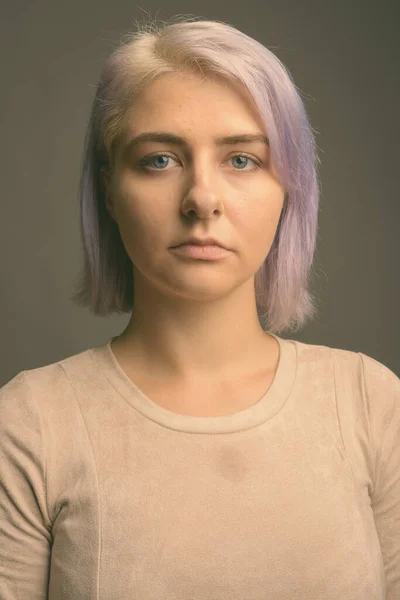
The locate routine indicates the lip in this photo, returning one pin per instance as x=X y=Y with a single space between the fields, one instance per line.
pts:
x=195 y=251
x=207 y=241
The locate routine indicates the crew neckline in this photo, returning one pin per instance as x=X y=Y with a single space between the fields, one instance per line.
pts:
x=265 y=408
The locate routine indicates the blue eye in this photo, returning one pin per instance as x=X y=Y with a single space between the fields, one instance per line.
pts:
x=150 y=160
x=246 y=158
x=145 y=162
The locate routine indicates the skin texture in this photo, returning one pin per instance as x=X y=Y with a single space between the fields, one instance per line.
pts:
x=195 y=320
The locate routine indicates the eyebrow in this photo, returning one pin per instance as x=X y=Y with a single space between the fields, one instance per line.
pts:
x=172 y=138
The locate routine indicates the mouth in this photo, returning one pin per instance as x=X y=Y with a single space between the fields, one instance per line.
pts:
x=199 y=245
x=196 y=251
x=205 y=241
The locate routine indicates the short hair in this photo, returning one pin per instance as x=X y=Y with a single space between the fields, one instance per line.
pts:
x=183 y=45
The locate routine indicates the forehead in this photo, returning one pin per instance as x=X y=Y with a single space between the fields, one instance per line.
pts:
x=176 y=100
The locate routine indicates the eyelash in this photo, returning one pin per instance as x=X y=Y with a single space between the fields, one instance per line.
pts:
x=145 y=162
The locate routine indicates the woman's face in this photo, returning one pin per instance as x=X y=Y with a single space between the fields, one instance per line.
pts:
x=199 y=188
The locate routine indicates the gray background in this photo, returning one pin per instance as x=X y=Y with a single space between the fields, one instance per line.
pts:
x=344 y=57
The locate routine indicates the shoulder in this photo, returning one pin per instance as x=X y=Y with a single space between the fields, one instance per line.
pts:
x=347 y=360
x=38 y=390
x=355 y=375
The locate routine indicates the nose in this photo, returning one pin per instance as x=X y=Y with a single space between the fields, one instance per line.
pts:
x=203 y=195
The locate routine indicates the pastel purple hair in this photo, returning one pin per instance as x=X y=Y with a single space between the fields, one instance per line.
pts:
x=106 y=284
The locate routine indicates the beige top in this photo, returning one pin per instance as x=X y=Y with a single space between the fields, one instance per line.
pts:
x=105 y=495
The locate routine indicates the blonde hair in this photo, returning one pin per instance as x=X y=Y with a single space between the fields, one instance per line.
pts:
x=106 y=284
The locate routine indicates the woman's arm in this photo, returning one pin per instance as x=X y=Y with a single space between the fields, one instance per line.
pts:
x=25 y=528
x=382 y=389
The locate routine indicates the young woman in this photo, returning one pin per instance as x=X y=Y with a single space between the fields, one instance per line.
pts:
x=199 y=454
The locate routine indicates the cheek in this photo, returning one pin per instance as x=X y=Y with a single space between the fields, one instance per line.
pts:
x=260 y=214
x=141 y=224
x=131 y=210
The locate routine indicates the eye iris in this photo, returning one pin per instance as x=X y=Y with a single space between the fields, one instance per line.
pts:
x=240 y=158
x=160 y=157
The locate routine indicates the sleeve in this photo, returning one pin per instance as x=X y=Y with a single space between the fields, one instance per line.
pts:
x=382 y=390
x=25 y=529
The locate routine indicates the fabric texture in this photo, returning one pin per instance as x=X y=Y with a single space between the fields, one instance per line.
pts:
x=105 y=495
